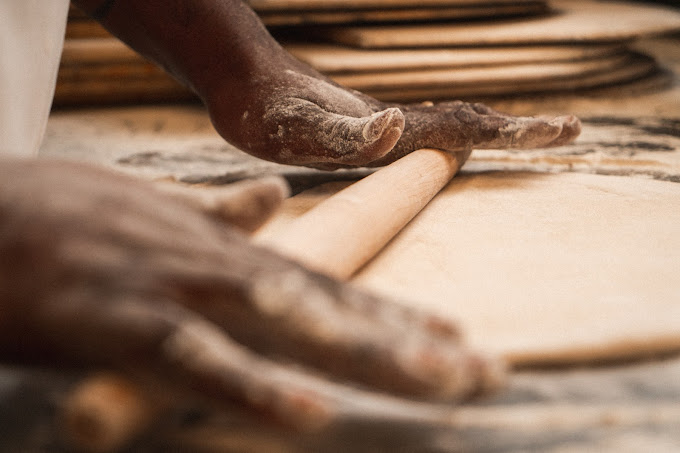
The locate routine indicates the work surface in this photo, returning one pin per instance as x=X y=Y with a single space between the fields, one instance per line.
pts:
x=616 y=408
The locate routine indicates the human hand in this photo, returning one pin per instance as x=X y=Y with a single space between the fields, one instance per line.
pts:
x=291 y=114
x=101 y=270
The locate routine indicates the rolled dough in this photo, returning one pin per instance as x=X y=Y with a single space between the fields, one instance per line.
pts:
x=541 y=268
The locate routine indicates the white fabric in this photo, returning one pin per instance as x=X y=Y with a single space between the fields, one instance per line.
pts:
x=31 y=40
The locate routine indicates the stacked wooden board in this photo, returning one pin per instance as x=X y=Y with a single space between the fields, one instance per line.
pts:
x=315 y=12
x=581 y=44
x=406 y=50
x=537 y=282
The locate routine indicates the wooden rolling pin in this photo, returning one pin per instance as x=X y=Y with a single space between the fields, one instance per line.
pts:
x=336 y=237
x=343 y=232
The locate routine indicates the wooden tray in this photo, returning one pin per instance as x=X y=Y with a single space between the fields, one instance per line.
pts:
x=464 y=84
x=80 y=25
x=122 y=76
x=400 y=15
x=576 y=21
x=487 y=75
x=302 y=5
x=620 y=77
x=329 y=58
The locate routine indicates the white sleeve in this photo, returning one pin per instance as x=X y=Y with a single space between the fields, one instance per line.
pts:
x=31 y=40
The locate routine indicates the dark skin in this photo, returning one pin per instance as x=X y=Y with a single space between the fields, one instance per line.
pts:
x=167 y=288
x=98 y=269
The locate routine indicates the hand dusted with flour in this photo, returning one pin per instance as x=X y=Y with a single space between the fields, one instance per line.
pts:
x=163 y=287
x=271 y=105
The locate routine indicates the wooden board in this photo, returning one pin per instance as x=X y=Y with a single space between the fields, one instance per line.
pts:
x=487 y=75
x=616 y=75
x=541 y=268
x=82 y=26
x=400 y=15
x=112 y=91
x=329 y=58
x=574 y=22
x=96 y=71
x=81 y=29
x=97 y=51
x=301 y=5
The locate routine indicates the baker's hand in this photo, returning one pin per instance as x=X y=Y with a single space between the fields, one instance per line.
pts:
x=101 y=270
x=294 y=115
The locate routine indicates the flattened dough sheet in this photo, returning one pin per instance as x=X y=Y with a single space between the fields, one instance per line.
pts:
x=540 y=268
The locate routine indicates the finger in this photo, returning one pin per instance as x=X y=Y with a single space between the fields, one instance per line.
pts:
x=539 y=132
x=571 y=129
x=357 y=336
x=306 y=134
x=571 y=125
x=280 y=308
x=277 y=307
x=463 y=156
x=165 y=342
x=484 y=109
x=497 y=131
x=525 y=133
x=456 y=126
x=246 y=204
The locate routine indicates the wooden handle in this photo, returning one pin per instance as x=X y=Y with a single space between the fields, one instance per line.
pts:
x=342 y=233
x=105 y=412
x=336 y=237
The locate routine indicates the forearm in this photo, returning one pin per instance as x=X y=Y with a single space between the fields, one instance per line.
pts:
x=203 y=43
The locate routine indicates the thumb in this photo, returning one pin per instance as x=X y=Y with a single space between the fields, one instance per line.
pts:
x=245 y=204
x=307 y=134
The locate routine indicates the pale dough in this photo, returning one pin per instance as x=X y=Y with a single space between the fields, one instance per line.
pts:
x=541 y=268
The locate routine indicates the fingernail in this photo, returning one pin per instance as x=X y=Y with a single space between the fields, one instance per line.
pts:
x=442 y=328
x=304 y=410
x=494 y=375
x=442 y=375
x=380 y=121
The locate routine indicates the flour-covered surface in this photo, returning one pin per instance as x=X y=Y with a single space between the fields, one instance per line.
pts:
x=626 y=408
x=167 y=142
x=178 y=142
x=156 y=142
